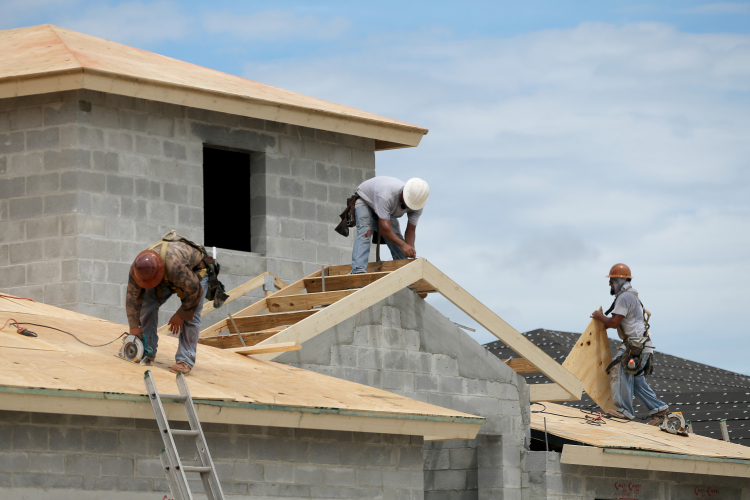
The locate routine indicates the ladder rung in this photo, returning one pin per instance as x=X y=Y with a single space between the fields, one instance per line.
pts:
x=176 y=397
x=178 y=432
x=201 y=470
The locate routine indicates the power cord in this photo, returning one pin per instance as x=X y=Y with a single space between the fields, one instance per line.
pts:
x=29 y=333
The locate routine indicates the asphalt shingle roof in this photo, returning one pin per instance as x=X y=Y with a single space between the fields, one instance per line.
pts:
x=704 y=394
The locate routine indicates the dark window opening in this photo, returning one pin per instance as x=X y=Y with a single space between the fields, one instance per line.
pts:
x=226 y=199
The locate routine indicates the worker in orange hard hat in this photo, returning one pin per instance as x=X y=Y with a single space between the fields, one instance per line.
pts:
x=634 y=357
x=173 y=265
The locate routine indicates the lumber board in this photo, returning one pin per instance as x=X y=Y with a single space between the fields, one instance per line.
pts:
x=422 y=286
x=257 y=307
x=521 y=365
x=264 y=349
x=348 y=307
x=385 y=266
x=303 y=301
x=344 y=282
x=230 y=341
x=688 y=464
x=566 y=422
x=548 y=392
x=502 y=330
x=270 y=320
x=588 y=361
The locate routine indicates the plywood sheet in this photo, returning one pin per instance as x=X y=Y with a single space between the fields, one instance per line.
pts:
x=569 y=423
x=218 y=375
x=588 y=361
x=10 y=339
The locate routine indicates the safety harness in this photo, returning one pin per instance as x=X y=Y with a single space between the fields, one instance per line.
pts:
x=634 y=346
x=207 y=266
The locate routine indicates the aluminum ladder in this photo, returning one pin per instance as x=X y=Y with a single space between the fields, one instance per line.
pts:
x=170 y=459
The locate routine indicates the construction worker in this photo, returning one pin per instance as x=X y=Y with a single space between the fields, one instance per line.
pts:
x=380 y=202
x=174 y=265
x=628 y=377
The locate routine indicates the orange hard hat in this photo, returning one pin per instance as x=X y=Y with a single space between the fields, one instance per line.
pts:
x=148 y=269
x=619 y=271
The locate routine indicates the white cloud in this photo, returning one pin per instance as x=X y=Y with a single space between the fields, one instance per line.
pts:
x=585 y=147
x=275 y=25
x=720 y=8
x=132 y=23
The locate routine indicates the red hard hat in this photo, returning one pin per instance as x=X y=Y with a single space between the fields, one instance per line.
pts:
x=619 y=271
x=148 y=269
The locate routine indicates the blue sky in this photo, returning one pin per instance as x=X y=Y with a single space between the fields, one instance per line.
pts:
x=564 y=137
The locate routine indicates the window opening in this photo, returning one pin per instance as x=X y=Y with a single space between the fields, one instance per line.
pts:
x=226 y=199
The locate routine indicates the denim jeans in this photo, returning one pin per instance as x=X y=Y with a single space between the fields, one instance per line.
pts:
x=366 y=222
x=625 y=385
x=190 y=329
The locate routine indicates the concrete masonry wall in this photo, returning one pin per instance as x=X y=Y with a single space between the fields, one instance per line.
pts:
x=551 y=480
x=404 y=345
x=89 y=179
x=78 y=457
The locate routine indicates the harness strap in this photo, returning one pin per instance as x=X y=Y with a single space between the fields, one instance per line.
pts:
x=168 y=238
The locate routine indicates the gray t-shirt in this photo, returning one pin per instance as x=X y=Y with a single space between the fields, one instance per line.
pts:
x=629 y=306
x=382 y=194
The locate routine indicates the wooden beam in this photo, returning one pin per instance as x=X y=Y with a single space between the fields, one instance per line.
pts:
x=643 y=460
x=385 y=266
x=502 y=330
x=266 y=321
x=263 y=349
x=257 y=307
x=230 y=341
x=549 y=392
x=303 y=301
x=342 y=282
x=349 y=306
x=521 y=365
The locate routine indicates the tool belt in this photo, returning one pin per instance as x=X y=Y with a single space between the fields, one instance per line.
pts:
x=348 y=219
x=207 y=266
x=633 y=356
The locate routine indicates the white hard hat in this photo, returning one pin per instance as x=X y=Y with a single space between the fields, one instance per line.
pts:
x=416 y=192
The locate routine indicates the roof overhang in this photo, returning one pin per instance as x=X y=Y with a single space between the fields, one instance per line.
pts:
x=645 y=460
x=431 y=427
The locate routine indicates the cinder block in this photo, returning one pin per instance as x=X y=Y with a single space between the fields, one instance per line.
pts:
x=146 y=188
x=175 y=150
x=420 y=362
x=12 y=276
x=463 y=458
x=325 y=453
x=190 y=216
x=21 y=119
x=149 y=146
x=86 y=465
x=162 y=213
x=247 y=472
x=30 y=480
x=120 y=185
x=351 y=177
x=66 y=159
x=303 y=209
x=276 y=473
x=383 y=456
x=263 y=449
x=344 y=355
x=328 y=174
x=106 y=294
x=149 y=467
x=104 y=117
x=60 y=114
x=301 y=168
x=291 y=228
x=443 y=364
x=12 y=231
x=398 y=478
x=65 y=439
x=43 y=272
x=14 y=462
x=26 y=252
x=316 y=191
x=450 y=480
x=452 y=385
x=63 y=203
x=364 y=477
x=363 y=159
x=98 y=441
x=133 y=120
x=99 y=483
x=394 y=360
x=175 y=193
x=290 y=146
x=393 y=380
x=43 y=139
x=24 y=208
x=134 y=484
x=291 y=187
x=85 y=136
x=67 y=482
x=328 y=213
x=11 y=143
x=315 y=150
x=309 y=475
x=11 y=188
x=339 y=476
x=116 y=466
x=46 y=462
x=160 y=125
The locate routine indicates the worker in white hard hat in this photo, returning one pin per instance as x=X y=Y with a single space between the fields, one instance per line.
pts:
x=380 y=202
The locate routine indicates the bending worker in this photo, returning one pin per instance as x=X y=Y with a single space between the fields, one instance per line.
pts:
x=633 y=360
x=379 y=204
x=174 y=265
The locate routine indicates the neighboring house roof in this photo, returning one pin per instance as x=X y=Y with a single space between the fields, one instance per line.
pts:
x=56 y=373
x=46 y=58
x=704 y=394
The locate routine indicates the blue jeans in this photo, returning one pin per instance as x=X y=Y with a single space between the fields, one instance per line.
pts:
x=190 y=329
x=625 y=385
x=366 y=222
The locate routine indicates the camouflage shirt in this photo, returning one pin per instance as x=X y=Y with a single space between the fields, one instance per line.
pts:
x=181 y=264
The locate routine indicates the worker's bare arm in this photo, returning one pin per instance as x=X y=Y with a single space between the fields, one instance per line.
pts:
x=133 y=304
x=608 y=322
x=411 y=233
x=386 y=231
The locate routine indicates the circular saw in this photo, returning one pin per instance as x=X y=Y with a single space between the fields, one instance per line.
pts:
x=674 y=423
x=134 y=349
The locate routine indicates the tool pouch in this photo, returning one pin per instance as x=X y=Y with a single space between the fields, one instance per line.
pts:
x=348 y=219
x=633 y=350
x=216 y=290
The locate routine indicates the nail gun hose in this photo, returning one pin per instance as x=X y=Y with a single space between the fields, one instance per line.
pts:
x=29 y=333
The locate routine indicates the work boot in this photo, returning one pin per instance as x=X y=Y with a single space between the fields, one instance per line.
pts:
x=147 y=361
x=180 y=367
x=657 y=417
x=617 y=414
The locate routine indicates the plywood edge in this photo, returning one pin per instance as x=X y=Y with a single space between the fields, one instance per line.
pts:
x=539 y=393
x=502 y=330
x=267 y=348
x=691 y=464
x=215 y=412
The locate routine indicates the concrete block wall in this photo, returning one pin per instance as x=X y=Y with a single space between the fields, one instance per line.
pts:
x=405 y=346
x=72 y=457
x=549 y=479
x=89 y=179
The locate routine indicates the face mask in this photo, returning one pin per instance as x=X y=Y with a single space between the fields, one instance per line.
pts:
x=619 y=283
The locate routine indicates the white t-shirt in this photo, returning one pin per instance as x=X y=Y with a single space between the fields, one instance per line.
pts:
x=383 y=195
x=629 y=307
